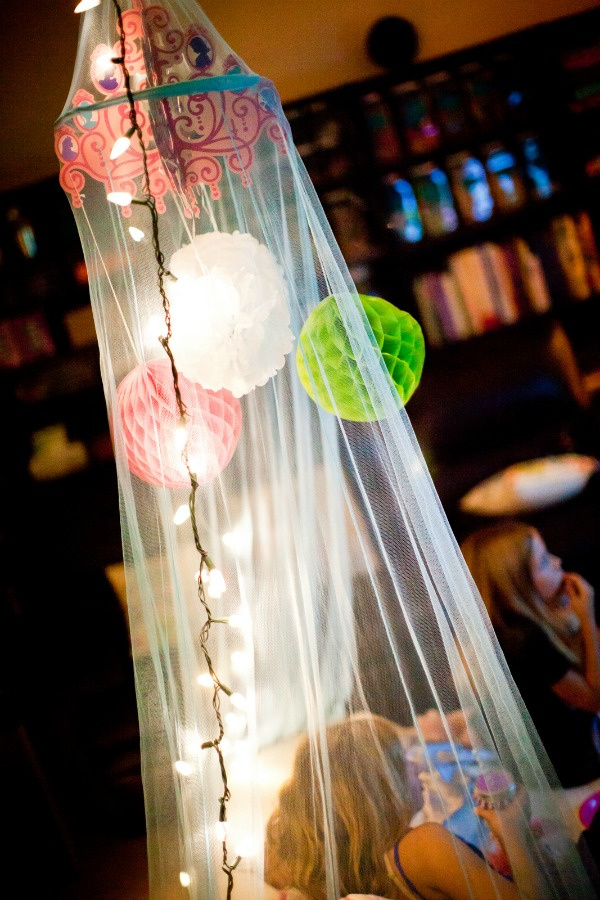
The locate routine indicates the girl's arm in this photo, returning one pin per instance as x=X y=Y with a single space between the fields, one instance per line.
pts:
x=511 y=829
x=582 y=689
x=442 y=867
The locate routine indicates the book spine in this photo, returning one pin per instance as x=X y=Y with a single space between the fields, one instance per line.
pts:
x=589 y=249
x=570 y=257
x=500 y=283
x=534 y=279
x=468 y=269
x=427 y=312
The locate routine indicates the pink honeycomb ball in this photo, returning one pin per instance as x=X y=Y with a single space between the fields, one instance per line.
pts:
x=149 y=418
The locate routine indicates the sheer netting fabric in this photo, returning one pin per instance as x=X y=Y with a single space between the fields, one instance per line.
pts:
x=292 y=583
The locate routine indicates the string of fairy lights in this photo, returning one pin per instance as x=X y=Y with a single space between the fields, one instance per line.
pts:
x=210 y=581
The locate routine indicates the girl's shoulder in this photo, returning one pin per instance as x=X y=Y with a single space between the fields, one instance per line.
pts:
x=428 y=833
x=422 y=860
x=412 y=859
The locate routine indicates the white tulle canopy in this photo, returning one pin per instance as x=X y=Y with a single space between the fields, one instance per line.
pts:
x=289 y=567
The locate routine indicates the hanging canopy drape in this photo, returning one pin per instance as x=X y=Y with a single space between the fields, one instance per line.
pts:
x=288 y=563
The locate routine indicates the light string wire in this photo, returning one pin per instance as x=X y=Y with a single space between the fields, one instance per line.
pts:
x=205 y=560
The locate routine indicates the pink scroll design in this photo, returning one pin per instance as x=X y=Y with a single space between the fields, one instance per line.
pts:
x=83 y=143
x=189 y=136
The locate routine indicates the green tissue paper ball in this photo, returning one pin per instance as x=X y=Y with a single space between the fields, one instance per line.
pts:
x=331 y=373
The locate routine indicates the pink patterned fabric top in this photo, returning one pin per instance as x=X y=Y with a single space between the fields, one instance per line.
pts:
x=188 y=137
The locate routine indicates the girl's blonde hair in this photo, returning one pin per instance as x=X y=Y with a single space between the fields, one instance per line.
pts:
x=370 y=810
x=499 y=558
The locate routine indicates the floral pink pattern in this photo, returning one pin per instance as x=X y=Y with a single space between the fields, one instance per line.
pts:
x=188 y=138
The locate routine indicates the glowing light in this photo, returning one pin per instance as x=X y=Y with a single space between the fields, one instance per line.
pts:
x=205 y=680
x=87 y=4
x=247 y=847
x=192 y=743
x=136 y=233
x=185 y=879
x=243 y=766
x=240 y=619
x=239 y=540
x=216 y=584
x=241 y=662
x=184 y=768
x=120 y=198
x=181 y=437
x=182 y=514
x=104 y=63
x=120 y=146
x=221 y=831
x=239 y=701
x=236 y=724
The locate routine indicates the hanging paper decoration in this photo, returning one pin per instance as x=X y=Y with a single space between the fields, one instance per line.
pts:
x=331 y=370
x=229 y=312
x=155 y=438
x=311 y=575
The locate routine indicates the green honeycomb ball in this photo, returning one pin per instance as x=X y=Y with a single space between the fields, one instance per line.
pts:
x=330 y=371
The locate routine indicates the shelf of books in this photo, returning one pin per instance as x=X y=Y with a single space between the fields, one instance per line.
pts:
x=470 y=191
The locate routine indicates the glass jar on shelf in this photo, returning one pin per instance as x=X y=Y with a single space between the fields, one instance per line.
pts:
x=434 y=199
x=505 y=177
x=470 y=187
x=415 y=109
x=486 y=105
x=403 y=217
x=536 y=167
x=331 y=139
x=449 y=104
x=347 y=214
x=299 y=120
x=384 y=139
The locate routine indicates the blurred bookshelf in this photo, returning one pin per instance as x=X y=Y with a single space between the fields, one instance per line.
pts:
x=468 y=191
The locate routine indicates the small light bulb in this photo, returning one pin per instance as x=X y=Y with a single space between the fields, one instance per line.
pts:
x=182 y=514
x=185 y=879
x=120 y=198
x=241 y=662
x=87 y=4
x=136 y=233
x=205 y=680
x=239 y=540
x=240 y=619
x=239 y=701
x=184 y=768
x=246 y=847
x=236 y=724
x=120 y=146
x=216 y=584
x=181 y=437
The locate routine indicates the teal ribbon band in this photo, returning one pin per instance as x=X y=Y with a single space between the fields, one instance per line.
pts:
x=233 y=82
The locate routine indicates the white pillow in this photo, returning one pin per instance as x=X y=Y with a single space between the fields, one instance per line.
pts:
x=530 y=485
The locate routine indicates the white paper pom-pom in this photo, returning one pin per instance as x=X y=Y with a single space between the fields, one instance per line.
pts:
x=229 y=314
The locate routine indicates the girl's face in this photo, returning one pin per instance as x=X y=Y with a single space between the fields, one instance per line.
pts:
x=546 y=571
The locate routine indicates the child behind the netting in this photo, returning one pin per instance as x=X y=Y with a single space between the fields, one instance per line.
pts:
x=366 y=826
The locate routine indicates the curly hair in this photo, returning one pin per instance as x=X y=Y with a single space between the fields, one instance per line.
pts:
x=347 y=802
